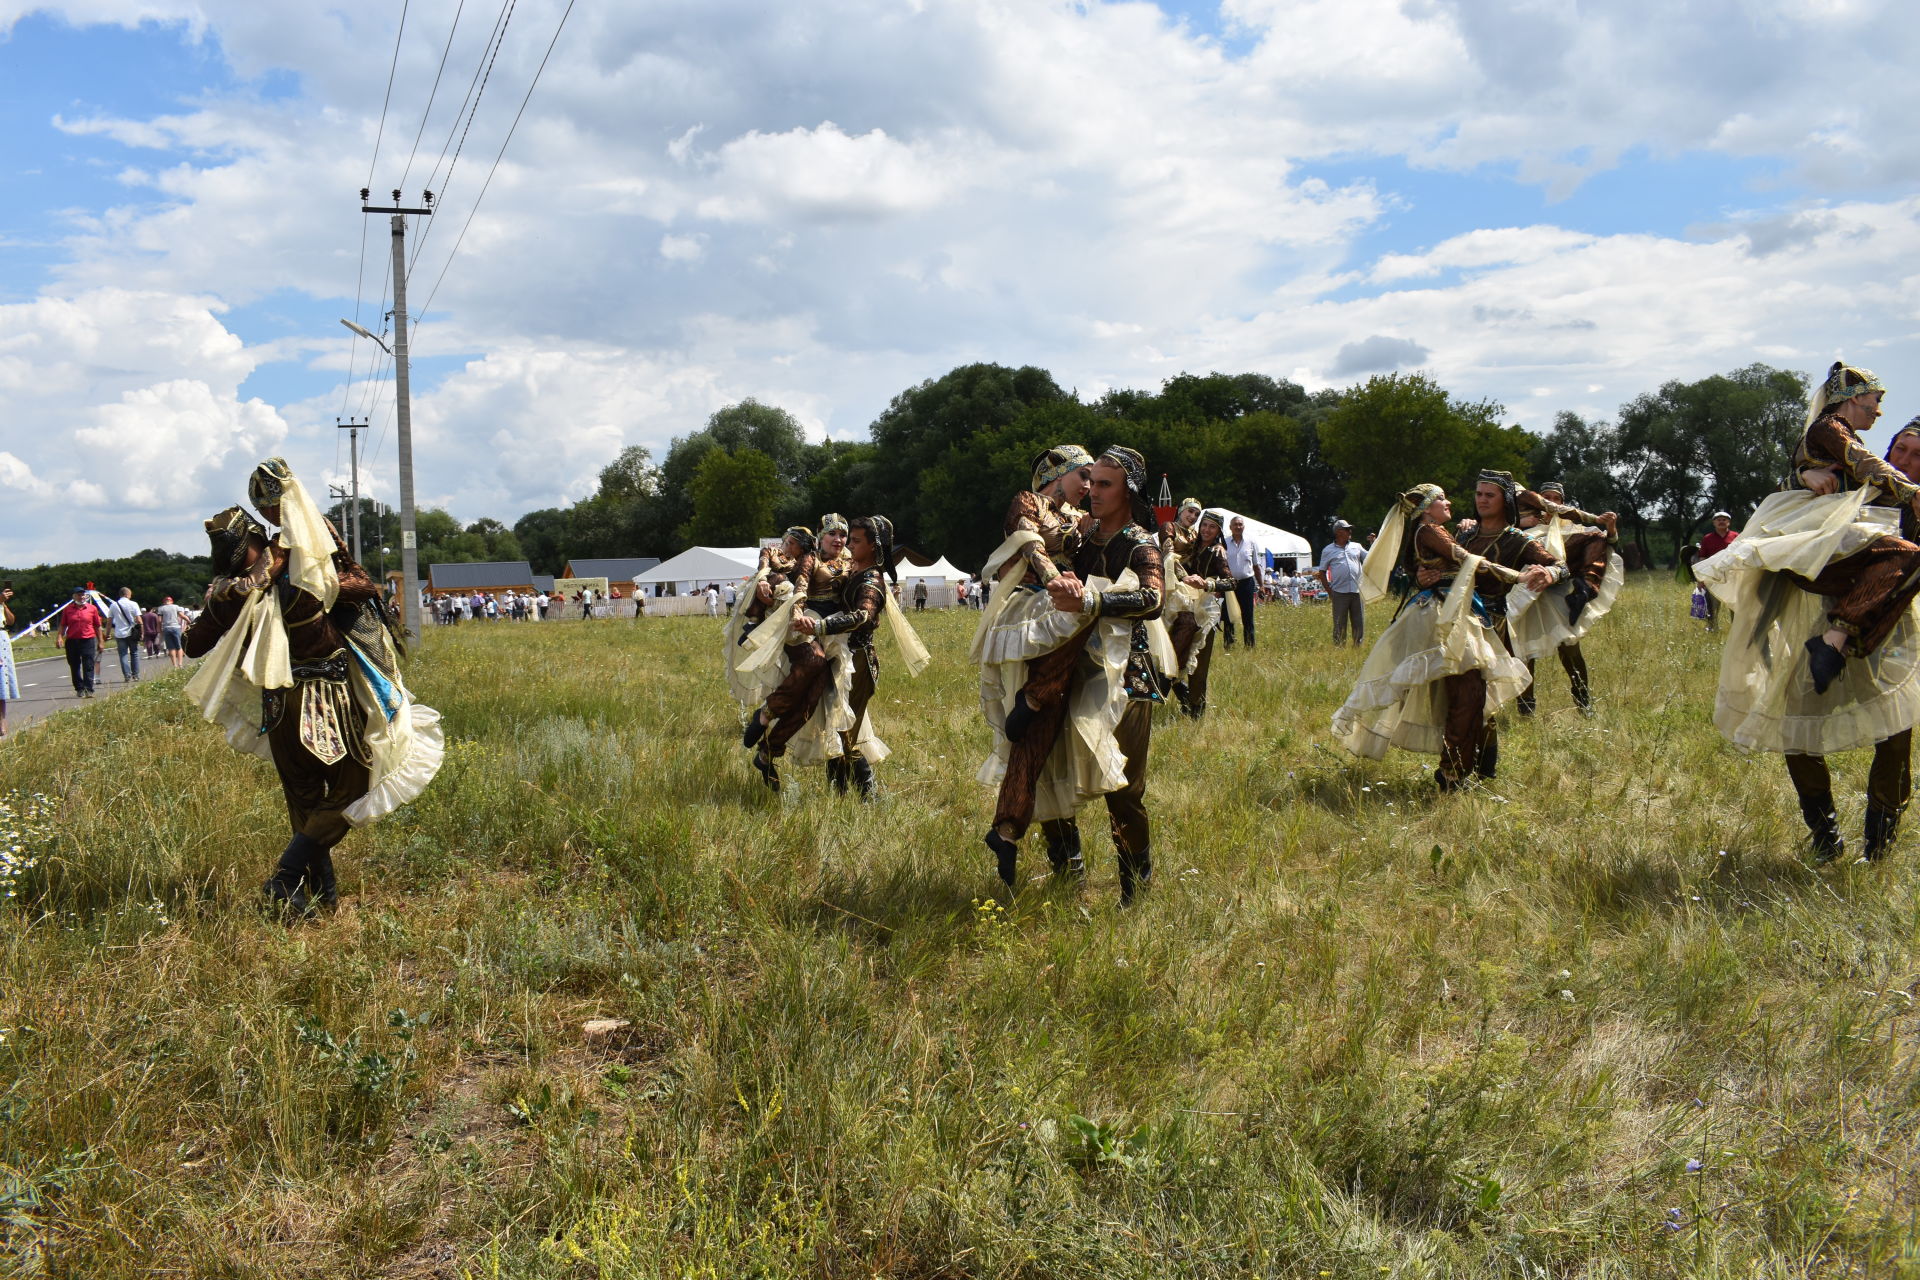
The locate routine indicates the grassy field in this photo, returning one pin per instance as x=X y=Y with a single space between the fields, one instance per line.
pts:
x=1597 y=1019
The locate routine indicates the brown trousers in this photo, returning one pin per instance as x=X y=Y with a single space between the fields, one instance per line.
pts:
x=792 y=702
x=317 y=794
x=1049 y=681
x=1587 y=557
x=1185 y=631
x=1871 y=590
x=1127 y=807
x=1466 y=730
x=861 y=695
x=1575 y=664
x=1889 y=780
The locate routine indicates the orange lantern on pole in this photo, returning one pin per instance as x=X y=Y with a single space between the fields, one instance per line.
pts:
x=1163 y=512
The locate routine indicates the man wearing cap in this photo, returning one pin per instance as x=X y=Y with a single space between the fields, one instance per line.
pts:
x=1339 y=571
x=1712 y=544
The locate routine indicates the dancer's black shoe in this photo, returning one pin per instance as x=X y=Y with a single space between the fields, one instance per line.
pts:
x=863 y=781
x=1136 y=875
x=1441 y=780
x=837 y=774
x=288 y=890
x=1006 y=856
x=1824 y=663
x=769 y=772
x=756 y=729
x=1881 y=826
x=1823 y=825
x=1063 y=852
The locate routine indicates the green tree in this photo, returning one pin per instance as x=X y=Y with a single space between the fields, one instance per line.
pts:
x=1692 y=447
x=543 y=536
x=917 y=428
x=1399 y=430
x=734 y=493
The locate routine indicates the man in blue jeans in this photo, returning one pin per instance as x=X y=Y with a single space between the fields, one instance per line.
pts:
x=124 y=616
x=1249 y=571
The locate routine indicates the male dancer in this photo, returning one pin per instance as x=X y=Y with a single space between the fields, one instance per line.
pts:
x=1587 y=559
x=1203 y=571
x=1115 y=545
x=1496 y=501
x=1018 y=635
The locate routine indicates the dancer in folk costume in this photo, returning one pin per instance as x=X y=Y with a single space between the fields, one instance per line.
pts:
x=302 y=669
x=1435 y=677
x=778 y=585
x=1117 y=576
x=1494 y=536
x=9 y=674
x=821 y=712
x=1570 y=609
x=1821 y=655
x=1199 y=591
x=1178 y=537
x=1037 y=675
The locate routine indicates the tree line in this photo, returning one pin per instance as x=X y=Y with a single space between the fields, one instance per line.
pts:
x=944 y=456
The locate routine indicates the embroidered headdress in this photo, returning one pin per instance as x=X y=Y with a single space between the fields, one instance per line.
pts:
x=1131 y=462
x=833 y=522
x=1056 y=462
x=1508 y=486
x=802 y=535
x=1843 y=382
x=1395 y=541
x=880 y=529
x=227 y=533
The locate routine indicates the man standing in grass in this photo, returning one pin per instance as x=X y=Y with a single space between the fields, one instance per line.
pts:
x=1340 y=564
x=1117 y=575
x=1712 y=543
x=1249 y=579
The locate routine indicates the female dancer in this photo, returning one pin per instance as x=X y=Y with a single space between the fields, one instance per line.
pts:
x=1439 y=670
x=1822 y=571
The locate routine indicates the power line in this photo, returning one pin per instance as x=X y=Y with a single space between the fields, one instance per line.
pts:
x=476 y=89
x=424 y=115
x=496 y=159
x=381 y=131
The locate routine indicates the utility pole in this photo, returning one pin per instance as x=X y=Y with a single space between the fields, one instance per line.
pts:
x=353 y=430
x=403 y=406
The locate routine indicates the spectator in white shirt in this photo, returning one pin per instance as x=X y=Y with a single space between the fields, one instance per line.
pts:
x=125 y=618
x=1245 y=563
x=1340 y=563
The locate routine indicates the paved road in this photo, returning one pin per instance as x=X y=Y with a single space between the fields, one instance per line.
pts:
x=46 y=686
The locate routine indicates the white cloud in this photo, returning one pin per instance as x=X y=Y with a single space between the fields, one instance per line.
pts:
x=822 y=204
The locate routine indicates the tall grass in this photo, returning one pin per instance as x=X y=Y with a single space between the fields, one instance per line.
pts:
x=1597 y=1019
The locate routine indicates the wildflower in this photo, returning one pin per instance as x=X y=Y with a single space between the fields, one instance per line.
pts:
x=1694 y=1166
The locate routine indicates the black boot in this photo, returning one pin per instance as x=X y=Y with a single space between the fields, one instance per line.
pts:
x=288 y=889
x=1020 y=719
x=325 y=887
x=1525 y=703
x=1442 y=781
x=1180 y=696
x=1489 y=759
x=1824 y=663
x=769 y=772
x=1881 y=825
x=863 y=782
x=756 y=729
x=1006 y=856
x=1577 y=596
x=837 y=774
x=1136 y=874
x=1063 y=851
x=1824 y=826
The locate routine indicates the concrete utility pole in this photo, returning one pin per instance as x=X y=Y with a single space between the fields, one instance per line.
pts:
x=403 y=406
x=353 y=430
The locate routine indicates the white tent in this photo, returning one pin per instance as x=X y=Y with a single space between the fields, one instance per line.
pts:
x=941 y=578
x=1271 y=539
x=941 y=570
x=695 y=567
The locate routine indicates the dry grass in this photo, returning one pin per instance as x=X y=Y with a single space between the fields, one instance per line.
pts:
x=1357 y=1030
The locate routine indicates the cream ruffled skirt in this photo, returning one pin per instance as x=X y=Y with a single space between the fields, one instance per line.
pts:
x=1538 y=624
x=1399 y=700
x=1086 y=761
x=819 y=739
x=1765 y=700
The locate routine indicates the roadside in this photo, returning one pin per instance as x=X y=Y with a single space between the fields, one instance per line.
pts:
x=47 y=687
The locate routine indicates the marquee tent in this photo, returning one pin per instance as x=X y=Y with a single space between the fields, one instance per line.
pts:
x=695 y=567
x=1271 y=540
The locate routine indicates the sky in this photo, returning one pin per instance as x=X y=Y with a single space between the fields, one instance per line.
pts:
x=1555 y=204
